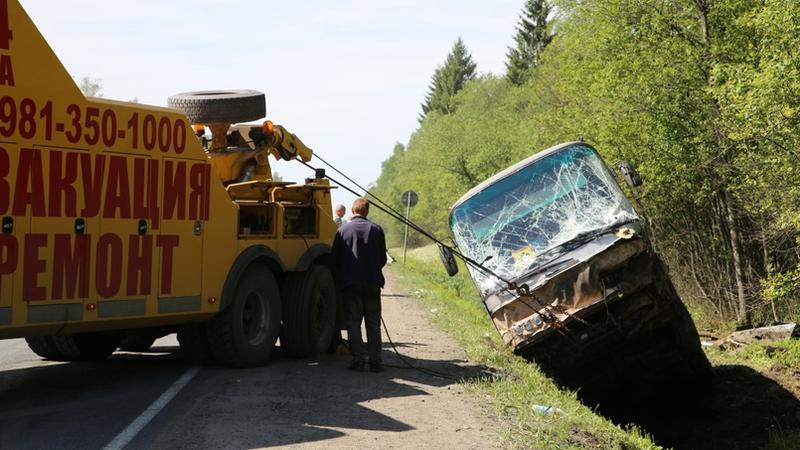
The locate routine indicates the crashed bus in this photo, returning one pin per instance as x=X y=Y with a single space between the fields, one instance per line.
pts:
x=569 y=276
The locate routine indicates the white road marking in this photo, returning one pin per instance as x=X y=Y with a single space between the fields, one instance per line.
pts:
x=130 y=432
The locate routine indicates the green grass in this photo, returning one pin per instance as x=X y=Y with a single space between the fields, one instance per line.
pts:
x=518 y=385
x=762 y=357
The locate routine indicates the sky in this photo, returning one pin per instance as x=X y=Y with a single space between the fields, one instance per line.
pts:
x=347 y=77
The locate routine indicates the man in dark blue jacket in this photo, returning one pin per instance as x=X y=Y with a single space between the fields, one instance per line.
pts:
x=359 y=254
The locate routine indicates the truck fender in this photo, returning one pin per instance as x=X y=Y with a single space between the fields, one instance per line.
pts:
x=312 y=254
x=257 y=253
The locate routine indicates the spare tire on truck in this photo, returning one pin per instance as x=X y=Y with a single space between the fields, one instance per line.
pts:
x=231 y=106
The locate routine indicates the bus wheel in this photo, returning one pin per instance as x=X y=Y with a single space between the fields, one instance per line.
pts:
x=309 y=318
x=244 y=334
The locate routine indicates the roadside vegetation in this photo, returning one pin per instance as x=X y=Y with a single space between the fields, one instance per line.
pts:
x=703 y=96
x=519 y=389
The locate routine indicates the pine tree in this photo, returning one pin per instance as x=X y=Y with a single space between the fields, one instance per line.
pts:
x=448 y=79
x=532 y=37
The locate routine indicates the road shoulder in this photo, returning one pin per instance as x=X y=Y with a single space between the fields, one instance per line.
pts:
x=316 y=402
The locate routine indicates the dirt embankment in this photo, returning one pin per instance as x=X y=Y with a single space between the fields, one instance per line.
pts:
x=318 y=403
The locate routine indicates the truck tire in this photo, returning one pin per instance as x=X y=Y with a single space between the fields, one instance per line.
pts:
x=193 y=339
x=137 y=343
x=244 y=334
x=309 y=318
x=86 y=346
x=44 y=347
x=232 y=106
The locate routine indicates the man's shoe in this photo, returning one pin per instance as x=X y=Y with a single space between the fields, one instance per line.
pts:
x=357 y=366
x=376 y=367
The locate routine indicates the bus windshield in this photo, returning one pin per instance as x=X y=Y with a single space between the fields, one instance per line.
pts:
x=522 y=220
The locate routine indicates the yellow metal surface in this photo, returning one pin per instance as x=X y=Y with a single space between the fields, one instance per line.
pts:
x=108 y=206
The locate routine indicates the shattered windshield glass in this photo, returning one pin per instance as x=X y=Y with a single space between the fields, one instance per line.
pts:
x=523 y=220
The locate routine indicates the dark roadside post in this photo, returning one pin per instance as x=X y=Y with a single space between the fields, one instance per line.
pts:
x=409 y=198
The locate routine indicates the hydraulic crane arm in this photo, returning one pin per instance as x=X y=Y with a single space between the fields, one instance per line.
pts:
x=284 y=144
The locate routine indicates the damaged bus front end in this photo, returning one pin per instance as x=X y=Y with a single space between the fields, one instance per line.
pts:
x=573 y=282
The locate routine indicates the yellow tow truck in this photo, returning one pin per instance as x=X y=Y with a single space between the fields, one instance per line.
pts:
x=121 y=222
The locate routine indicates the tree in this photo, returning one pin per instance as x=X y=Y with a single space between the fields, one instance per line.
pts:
x=703 y=97
x=91 y=87
x=448 y=80
x=531 y=38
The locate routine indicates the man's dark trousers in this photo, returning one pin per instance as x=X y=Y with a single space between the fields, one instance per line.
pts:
x=364 y=301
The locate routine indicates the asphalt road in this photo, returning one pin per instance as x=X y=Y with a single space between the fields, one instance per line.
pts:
x=302 y=403
x=47 y=404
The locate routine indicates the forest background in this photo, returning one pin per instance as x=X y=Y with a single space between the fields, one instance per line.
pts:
x=702 y=96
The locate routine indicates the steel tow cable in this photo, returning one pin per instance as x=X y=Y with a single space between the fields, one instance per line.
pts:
x=520 y=291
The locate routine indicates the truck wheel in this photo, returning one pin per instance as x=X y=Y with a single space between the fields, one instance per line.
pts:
x=86 y=346
x=137 y=343
x=309 y=312
x=44 y=347
x=193 y=340
x=232 y=106
x=244 y=334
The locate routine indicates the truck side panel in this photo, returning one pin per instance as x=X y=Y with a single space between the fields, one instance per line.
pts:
x=108 y=204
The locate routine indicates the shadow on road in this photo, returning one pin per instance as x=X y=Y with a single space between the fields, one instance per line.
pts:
x=295 y=401
x=80 y=405
x=285 y=402
x=742 y=409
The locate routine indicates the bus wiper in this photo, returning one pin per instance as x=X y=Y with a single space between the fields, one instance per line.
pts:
x=555 y=262
x=586 y=236
x=578 y=240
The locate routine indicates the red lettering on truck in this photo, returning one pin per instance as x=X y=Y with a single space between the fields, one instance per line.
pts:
x=5 y=189
x=108 y=269
x=140 y=263
x=5 y=31
x=174 y=190
x=9 y=254
x=140 y=195
x=71 y=266
x=33 y=265
x=110 y=186
x=29 y=188
x=167 y=243
x=6 y=71
x=92 y=183
x=152 y=192
x=199 y=180
x=62 y=184
x=118 y=189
